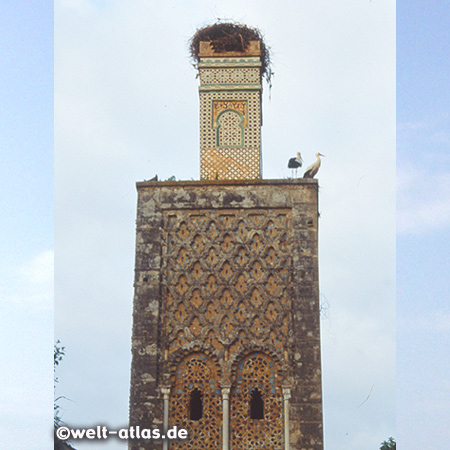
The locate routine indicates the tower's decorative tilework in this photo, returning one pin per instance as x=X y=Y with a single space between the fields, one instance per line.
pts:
x=229 y=131
x=214 y=101
x=230 y=118
x=197 y=372
x=230 y=163
x=258 y=371
x=230 y=76
x=239 y=106
x=220 y=159
x=226 y=275
x=224 y=270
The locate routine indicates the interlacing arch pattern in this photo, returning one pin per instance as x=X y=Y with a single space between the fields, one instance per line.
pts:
x=226 y=278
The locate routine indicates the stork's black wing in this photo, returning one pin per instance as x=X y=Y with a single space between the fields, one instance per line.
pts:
x=293 y=163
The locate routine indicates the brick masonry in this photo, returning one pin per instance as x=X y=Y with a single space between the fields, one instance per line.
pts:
x=227 y=294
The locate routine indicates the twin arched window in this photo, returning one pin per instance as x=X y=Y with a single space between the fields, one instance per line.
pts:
x=256 y=405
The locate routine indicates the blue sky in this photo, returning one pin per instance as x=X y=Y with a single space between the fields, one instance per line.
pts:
x=27 y=126
x=26 y=193
x=26 y=254
x=423 y=240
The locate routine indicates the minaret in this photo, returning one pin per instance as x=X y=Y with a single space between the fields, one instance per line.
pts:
x=226 y=330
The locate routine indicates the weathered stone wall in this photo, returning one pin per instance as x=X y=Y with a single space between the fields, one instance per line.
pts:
x=226 y=283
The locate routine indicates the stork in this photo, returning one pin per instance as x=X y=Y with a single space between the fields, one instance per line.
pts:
x=313 y=168
x=295 y=163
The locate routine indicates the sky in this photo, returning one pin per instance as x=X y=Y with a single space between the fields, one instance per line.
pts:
x=423 y=222
x=126 y=108
x=26 y=225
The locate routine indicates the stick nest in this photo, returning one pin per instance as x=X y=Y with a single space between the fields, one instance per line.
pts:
x=230 y=36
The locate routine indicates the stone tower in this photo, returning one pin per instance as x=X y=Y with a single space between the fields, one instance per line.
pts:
x=226 y=339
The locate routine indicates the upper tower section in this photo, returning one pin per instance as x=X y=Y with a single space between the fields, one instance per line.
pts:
x=231 y=62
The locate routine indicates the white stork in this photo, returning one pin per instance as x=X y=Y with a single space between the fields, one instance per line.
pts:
x=313 y=168
x=295 y=163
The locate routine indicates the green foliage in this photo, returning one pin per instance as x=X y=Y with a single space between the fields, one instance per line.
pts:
x=58 y=353
x=390 y=444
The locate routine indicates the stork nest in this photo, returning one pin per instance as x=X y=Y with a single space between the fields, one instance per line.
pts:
x=231 y=36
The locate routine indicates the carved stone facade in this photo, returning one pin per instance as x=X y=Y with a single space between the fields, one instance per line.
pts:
x=226 y=314
x=230 y=113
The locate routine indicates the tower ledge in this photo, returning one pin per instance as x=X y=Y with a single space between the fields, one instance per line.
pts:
x=218 y=183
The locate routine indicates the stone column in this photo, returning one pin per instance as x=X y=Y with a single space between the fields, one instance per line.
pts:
x=226 y=418
x=166 y=392
x=286 y=397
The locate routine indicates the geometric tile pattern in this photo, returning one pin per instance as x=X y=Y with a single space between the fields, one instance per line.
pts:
x=230 y=75
x=226 y=276
x=196 y=372
x=252 y=130
x=257 y=371
x=238 y=106
x=230 y=163
x=230 y=129
x=230 y=119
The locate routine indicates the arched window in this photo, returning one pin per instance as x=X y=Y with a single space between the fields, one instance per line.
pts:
x=256 y=405
x=195 y=405
x=230 y=132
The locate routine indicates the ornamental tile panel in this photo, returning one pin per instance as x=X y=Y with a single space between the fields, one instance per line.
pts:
x=230 y=134
x=258 y=371
x=197 y=371
x=232 y=266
